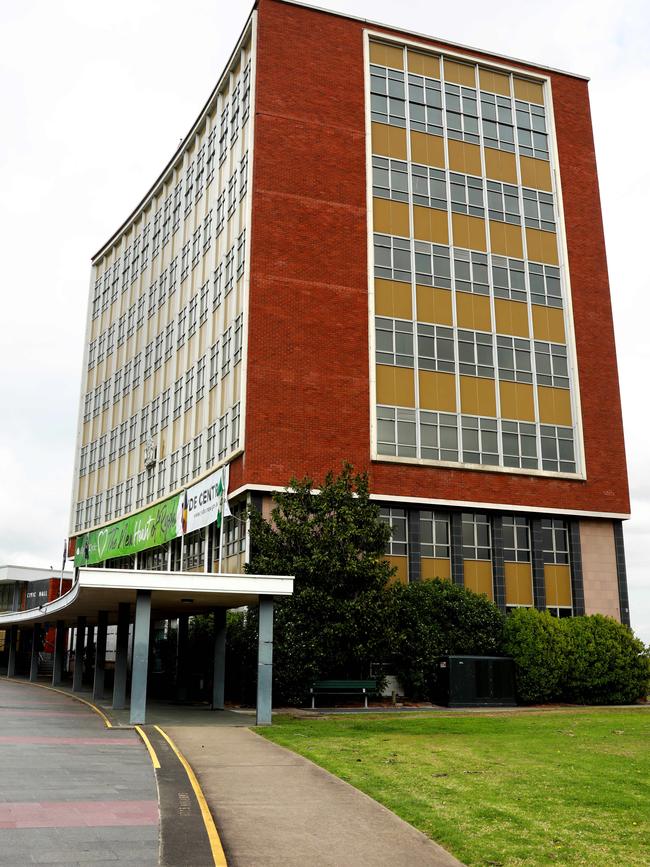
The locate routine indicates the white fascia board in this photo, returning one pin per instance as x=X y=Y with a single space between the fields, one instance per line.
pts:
x=182 y=582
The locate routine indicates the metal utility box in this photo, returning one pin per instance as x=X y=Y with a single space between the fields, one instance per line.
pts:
x=476 y=681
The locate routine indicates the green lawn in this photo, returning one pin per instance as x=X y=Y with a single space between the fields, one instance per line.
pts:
x=556 y=787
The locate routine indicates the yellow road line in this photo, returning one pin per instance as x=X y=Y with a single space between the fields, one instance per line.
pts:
x=218 y=854
x=107 y=722
x=149 y=746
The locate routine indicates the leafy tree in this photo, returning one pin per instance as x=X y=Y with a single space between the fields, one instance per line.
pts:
x=333 y=543
x=539 y=645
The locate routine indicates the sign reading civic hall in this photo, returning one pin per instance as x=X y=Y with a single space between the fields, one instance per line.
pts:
x=153 y=526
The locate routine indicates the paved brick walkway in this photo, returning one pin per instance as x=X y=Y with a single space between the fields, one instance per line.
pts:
x=72 y=792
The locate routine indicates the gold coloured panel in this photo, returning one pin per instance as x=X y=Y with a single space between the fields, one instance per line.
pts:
x=434 y=305
x=505 y=240
x=501 y=166
x=427 y=149
x=473 y=311
x=517 y=400
x=430 y=224
x=554 y=405
x=477 y=396
x=478 y=576
x=388 y=141
x=386 y=55
x=495 y=82
x=395 y=385
x=557 y=580
x=437 y=391
x=512 y=317
x=535 y=173
x=401 y=564
x=391 y=218
x=393 y=299
x=519 y=583
x=464 y=157
x=423 y=64
x=434 y=567
x=468 y=232
x=548 y=324
x=460 y=73
x=530 y=91
x=542 y=246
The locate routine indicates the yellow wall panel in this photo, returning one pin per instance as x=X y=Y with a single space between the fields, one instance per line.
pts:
x=530 y=91
x=423 y=64
x=434 y=567
x=437 y=391
x=473 y=311
x=388 y=141
x=557 y=579
x=464 y=157
x=542 y=246
x=495 y=82
x=478 y=576
x=501 y=166
x=512 y=317
x=395 y=385
x=548 y=324
x=393 y=298
x=401 y=564
x=477 y=396
x=468 y=232
x=554 y=405
x=460 y=73
x=434 y=305
x=391 y=218
x=427 y=149
x=519 y=583
x=505 y=240
x=430 y=224
x=386 y=55
x=535 y=173
x=517 y=400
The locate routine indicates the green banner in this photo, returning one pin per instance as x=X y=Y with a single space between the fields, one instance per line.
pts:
x=147 y=529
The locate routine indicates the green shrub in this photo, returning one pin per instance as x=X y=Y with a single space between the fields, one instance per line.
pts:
x=539 y=645
x=430 y=619
x=606 y=664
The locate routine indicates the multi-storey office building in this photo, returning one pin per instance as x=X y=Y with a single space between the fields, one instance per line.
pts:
x=377 y=247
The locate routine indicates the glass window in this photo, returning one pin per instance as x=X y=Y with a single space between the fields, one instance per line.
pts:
x=552 y=364
x=425 y=104
x=466 y=195
x=514 y=359
x=461 y=113
x=538 y=210
x=558 y=454
x=480 y=441
x=503 y=203
x=390 y=179
x=394 y=341
x=397 y=521
x=531 y=130
x=393 y=258
x=471 y=272
x=555 y=541
x=508 y=278
x=516 y=540
x=432 y=265
x=435 y=348
x=496 y=116
x=396 y=431
x=434 y=534
x=429 y=187
x=519 y=441
x=477 y=538
x=387 y=97
x=438 y=436
x=475 y=355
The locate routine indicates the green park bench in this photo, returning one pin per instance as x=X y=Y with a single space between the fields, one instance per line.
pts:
x=343 y=687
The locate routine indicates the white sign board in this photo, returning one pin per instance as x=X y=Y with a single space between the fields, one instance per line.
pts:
x=203 y=503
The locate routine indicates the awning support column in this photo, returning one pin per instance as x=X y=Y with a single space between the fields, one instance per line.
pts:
x=121 y=655
x=265 y=661
x=11 y=660
x=79 y=648
x=219 y=671
x=59 y=644
x=100 y=656
x=140 y=657
x=36 y=642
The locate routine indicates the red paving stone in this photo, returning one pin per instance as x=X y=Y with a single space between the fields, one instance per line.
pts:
x=77 y=814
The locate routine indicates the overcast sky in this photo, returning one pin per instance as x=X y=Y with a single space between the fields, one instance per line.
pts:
x=95 y=98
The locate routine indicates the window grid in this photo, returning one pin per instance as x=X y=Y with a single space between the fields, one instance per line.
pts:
x=516 y=539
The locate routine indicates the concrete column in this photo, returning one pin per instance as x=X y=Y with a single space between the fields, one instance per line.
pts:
x=79 y=647
x=140 y=657
x=121 y=655
x=11 y=659
x=181 y=658
x=59 y=650
x=36 y=643
x=100 y=656
x=219 y=670
x=265 y=661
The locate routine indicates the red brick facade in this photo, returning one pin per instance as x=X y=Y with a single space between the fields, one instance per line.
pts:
x=308 y=399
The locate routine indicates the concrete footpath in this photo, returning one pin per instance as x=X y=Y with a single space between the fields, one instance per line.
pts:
x=72 y=792
x=273 y=807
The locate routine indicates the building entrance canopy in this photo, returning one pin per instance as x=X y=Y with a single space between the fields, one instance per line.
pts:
x=103 y=596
